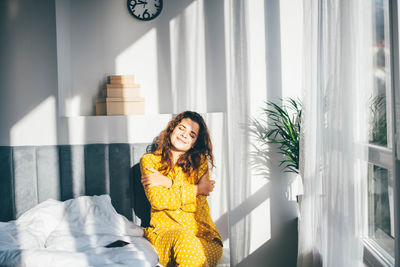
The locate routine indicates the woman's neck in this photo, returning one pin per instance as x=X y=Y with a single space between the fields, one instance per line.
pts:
x=175 y=155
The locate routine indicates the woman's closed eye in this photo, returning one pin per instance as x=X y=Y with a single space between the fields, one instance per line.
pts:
x=183 y=128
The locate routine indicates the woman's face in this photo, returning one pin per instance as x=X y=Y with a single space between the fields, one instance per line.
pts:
x=184 y=135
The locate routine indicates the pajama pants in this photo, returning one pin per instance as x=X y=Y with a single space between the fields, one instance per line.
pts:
x=179 y=248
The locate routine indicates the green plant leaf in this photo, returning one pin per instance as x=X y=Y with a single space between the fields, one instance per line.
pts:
x=282 y=128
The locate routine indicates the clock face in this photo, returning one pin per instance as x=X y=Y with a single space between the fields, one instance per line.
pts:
x=145 y=9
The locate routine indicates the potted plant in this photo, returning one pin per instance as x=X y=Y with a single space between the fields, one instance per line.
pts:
x=281 y=126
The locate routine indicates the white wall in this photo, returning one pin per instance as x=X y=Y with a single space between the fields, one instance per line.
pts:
x=28 y=72
x=97 y=38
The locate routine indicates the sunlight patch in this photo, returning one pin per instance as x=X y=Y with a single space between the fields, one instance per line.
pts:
x=38 y=127
x=140 y=59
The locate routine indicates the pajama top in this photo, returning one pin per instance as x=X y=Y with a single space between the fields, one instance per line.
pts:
x=178 y=207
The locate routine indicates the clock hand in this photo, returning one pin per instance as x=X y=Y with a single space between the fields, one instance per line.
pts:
x=133 y=3
x=140 y=2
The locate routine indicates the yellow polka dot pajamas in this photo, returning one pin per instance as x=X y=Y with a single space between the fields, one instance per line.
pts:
x=181 y=228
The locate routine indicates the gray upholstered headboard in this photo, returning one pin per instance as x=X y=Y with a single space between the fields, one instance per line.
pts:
x=32 y=174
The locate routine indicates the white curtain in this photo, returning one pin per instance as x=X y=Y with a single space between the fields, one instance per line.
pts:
x=189 y=91
x=337 y=81
x=188 y=59
x=237 y=117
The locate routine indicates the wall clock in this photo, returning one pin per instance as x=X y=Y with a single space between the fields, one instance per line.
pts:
x=145 y=9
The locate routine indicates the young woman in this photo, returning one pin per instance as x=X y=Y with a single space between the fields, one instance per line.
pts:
x=177 y=183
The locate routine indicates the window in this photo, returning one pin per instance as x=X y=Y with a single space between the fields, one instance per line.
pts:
x=380 y=210
x=380 y=241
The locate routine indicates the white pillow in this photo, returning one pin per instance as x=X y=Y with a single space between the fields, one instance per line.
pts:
x=91 y=216
x=95 y=215
x=33 y=227
x=44 y=216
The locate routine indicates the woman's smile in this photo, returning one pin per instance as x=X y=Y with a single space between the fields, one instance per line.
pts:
x=181 y=140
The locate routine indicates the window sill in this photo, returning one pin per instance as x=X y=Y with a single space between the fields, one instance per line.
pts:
x=374 y=257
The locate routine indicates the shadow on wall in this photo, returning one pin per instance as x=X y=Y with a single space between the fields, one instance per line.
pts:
x=242 y=210
x=28 y=66
x=106 y=28
x=281 y=249
x=101 y=36
x=278 y=251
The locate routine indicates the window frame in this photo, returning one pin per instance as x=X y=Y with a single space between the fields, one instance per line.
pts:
x=385 y=157
x=394 y=26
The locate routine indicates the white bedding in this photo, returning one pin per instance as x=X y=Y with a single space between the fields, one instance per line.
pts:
x=73 y=233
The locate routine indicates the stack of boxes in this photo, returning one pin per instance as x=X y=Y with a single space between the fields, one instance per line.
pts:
x=120 y=97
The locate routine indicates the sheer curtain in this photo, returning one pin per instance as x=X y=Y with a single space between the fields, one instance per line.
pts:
x=237 y=116
x=188 y=70
x=337 y=81
x=189 y=91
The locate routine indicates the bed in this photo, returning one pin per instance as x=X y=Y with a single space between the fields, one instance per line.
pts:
x=76 y=232
x=62 y=205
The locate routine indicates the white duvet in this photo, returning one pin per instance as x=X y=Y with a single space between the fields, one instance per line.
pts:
x=73 y=233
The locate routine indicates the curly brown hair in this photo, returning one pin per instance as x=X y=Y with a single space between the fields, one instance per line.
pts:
x=190 y=160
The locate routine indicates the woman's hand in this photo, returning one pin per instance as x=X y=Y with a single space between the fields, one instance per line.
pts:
x=204 y=186
x=155 y=179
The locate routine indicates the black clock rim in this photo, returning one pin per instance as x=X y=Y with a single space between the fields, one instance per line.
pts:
x=143 y=19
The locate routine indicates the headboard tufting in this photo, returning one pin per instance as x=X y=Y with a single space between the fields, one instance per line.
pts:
x=32 y=174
